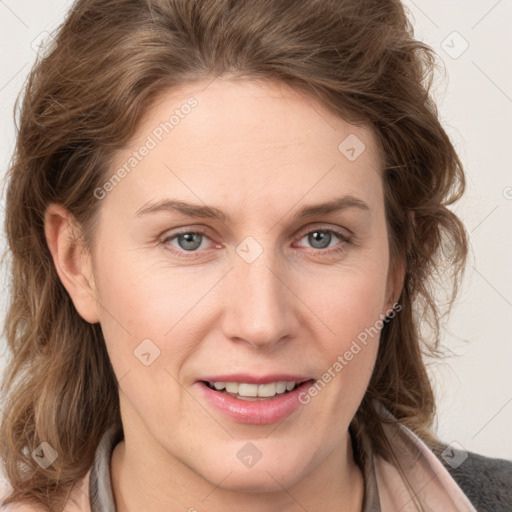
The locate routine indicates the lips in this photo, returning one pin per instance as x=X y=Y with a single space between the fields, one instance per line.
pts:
x=254 y=379
x=254 y=399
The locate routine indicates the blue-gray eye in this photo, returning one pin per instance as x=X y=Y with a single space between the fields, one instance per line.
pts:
x=189 y=241
x=320 y=239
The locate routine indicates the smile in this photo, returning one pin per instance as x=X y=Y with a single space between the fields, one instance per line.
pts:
x=257 y=402
x=246 y=391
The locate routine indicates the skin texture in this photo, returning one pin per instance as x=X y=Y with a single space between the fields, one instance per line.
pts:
x=259 y=152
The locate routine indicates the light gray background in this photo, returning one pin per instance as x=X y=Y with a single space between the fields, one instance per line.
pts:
x=474 y=389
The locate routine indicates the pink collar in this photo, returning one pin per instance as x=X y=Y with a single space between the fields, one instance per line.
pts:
x=424 y=484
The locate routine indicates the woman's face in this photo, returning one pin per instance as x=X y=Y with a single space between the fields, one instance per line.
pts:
x=271 y=288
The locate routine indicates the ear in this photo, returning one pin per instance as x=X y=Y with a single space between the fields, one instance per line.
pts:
x=397 y=271
x=72 y=262
x=395 y=283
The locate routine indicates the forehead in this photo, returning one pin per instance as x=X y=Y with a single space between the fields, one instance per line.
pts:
x=247 y=142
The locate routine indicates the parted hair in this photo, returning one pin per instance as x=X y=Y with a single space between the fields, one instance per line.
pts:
x=85 y=98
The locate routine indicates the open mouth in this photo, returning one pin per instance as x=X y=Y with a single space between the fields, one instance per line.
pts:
x=255 y=392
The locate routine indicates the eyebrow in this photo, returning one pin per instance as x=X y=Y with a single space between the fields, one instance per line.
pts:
x=210 y=212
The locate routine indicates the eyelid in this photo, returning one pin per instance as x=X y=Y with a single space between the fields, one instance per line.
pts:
x=168 y=236
x=344 y=234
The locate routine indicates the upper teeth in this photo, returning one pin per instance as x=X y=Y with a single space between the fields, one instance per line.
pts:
x=263 y=390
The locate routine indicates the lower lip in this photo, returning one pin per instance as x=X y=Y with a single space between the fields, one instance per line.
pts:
x=260 y=412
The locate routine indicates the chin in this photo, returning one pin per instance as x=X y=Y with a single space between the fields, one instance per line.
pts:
x=262 y=480
x=268 y=471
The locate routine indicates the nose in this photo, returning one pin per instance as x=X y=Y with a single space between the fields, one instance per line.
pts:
x=258 y=305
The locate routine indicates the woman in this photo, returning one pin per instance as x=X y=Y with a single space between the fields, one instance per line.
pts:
x=224 y=220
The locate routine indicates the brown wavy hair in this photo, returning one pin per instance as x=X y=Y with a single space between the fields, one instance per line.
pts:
x=84 y=100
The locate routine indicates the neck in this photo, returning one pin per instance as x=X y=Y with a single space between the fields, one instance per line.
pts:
x=146 y=479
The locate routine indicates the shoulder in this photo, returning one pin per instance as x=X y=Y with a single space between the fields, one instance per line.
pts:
x=486 y=481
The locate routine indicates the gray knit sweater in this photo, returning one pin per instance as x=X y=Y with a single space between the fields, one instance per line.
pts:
x=487 y=482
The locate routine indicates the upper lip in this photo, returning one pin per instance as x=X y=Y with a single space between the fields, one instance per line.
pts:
x=256 y=379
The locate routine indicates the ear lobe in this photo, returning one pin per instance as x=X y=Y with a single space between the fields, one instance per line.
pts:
x=72 y=262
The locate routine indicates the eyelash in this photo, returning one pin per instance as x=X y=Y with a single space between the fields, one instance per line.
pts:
x=344 y=238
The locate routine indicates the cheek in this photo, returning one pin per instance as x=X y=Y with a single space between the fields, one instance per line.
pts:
x=349 y=299
x=151 y=314
x=141 y=309
x=356 y=320
x=352 y=308
x=145 y=298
